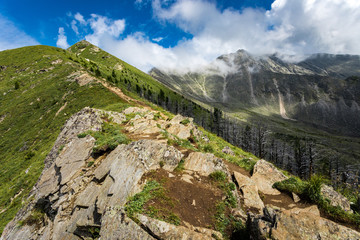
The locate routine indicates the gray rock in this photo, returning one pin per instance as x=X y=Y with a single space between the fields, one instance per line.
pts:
x=204 y=163
x=297 y=223
x=336 y=199
x=116 y=225
x=249 y=192
x=165 y=230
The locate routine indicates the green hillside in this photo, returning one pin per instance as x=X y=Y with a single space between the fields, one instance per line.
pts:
x=42 y=86
x=35 y=82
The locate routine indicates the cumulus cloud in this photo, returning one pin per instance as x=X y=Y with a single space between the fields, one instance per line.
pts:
x=13 y=37
x=62 y=39
x=104 y=27
x=296 y=27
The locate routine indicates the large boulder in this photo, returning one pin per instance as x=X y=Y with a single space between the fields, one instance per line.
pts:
x=336 y=199
x=265 y=175
x=249 y=191
x=297 y=223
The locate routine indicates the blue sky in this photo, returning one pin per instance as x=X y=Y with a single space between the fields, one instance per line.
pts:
x=184 y=33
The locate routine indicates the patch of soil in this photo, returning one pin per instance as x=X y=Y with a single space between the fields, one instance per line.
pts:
x=283 y=200
x=193 y=203
x=136 y=137
x=235 y=168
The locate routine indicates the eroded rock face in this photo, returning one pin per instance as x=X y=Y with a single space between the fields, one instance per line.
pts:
x=265 y=175
x=336 y=199
x=86 y=119
x=297 y=223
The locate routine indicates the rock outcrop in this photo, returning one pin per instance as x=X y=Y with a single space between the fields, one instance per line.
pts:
x=77 y=200
x=249 y=192
x=297 y=223
x=336 y=199
x=79 y=196
x=205 y=163
x=165 y=230
x=265 y=175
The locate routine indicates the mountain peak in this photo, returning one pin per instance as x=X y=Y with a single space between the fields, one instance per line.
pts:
x=80 y=45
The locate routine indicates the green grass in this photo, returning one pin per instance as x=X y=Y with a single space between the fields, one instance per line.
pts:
x=311 y=191
x=219 y=176
x=180 y=167
x=224 y=222
x=185 y=122
x=108 y=138
x=152 y=191
x=31 y=126
x=215 y=145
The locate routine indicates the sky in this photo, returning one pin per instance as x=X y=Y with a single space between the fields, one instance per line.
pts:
x=184 y=34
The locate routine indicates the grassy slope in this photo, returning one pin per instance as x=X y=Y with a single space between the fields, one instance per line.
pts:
x=30 y=126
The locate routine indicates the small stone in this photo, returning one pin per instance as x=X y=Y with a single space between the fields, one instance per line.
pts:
x=296 y=198
x=187 y=178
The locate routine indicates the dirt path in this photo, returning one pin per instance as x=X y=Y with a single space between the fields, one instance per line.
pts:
x=128 y=99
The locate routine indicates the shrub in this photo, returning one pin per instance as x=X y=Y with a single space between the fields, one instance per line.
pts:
x=17 y=85
x=82 y=135
x=207 y=148
x=185 y=121
x=180 y=166
x=218 y=176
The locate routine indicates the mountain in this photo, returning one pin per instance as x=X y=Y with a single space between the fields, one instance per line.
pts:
x=283 y=108
x=88 y=152
x=319 y=91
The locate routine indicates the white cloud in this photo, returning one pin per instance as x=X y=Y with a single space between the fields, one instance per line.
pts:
x=158 y=39
x=12 y=37
x=103 y=28
x=290 y=27
x=80 y=18
x=62 y=39
x=74 y=27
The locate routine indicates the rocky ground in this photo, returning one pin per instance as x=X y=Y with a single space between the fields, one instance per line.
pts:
x=82 y=195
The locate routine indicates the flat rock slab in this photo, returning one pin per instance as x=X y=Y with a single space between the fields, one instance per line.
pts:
x=250 y=193
x=165 y=230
